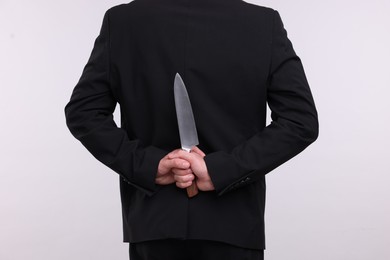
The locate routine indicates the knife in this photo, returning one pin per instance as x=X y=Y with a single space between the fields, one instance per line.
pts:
x=186 y=122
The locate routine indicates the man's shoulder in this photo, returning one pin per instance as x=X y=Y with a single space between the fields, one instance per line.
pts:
x=127 y=12
x=126 y=7
x=258 y=8
x=139 y=9
x=123 y=8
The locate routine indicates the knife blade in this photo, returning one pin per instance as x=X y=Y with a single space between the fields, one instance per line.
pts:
x=186 y=123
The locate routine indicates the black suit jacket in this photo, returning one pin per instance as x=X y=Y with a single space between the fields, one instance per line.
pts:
x=234 y=58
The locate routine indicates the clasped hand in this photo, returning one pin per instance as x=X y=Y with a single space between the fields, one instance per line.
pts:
x=183 y=168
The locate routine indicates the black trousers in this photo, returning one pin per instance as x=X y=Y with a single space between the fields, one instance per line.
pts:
x=172 y=249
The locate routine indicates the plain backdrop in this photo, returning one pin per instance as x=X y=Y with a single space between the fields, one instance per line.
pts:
x=329 y=203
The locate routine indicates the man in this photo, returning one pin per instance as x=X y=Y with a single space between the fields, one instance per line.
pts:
x=234 y=57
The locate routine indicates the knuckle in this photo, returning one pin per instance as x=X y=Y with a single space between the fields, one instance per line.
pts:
x=181 y=185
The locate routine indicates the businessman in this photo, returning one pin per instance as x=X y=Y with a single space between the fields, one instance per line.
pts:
x=235 y=58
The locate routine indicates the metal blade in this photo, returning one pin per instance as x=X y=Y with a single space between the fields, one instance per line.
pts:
x=185 y=117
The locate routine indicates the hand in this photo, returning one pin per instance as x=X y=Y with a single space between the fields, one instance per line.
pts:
x=183 y=178
x=198 y=167
x=169 y=167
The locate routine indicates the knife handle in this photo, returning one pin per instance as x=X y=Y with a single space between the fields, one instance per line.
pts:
x=192 y=191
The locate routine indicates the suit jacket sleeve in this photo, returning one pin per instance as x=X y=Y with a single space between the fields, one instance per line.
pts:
x=294 y=122
x=89 y=116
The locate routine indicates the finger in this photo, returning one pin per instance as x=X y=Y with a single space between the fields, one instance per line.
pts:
x=165 y=180
x=174 y=154
x=176 y=163
x=183 y=185
x=180 y=164
x=181 y=172
x=162 y=182
x=196 y=149
x=184 y=179
x=180 y=154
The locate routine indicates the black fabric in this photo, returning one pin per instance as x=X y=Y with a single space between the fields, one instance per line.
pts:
x=234 y=57
x=171 y=249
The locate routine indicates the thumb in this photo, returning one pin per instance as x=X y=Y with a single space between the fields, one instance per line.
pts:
x=196 y=150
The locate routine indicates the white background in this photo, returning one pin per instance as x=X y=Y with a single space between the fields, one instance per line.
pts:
x=330 y=202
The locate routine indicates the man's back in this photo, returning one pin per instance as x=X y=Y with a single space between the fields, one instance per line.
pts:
x=221 y=48
x=233 y=57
